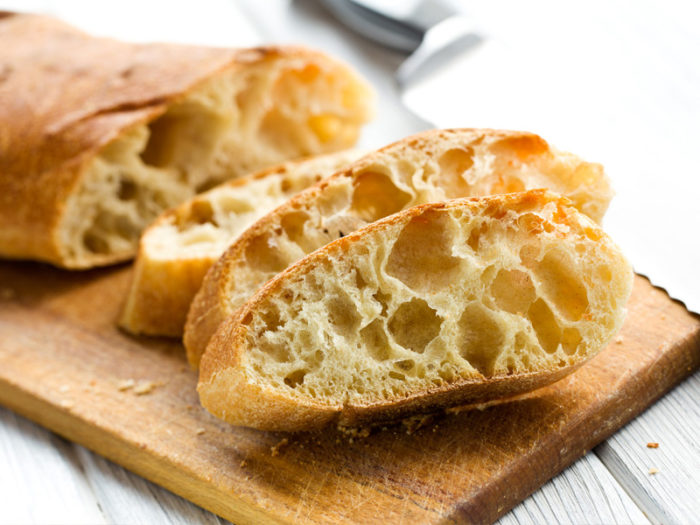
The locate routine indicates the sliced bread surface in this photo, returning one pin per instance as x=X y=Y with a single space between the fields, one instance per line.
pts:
x=101 y=136
x=429 y=167
x=441 y=304
x=176 y=251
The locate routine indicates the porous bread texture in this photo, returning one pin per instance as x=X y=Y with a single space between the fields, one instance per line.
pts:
x=429 y=167
x=236 y=122
x=441 y=304
x=176 y=251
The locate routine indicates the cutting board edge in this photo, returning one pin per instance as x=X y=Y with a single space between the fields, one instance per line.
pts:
x=159 y=470
x=688 y=348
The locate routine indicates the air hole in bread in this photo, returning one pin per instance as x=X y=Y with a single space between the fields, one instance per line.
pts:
x=343 y=314
x=373 y=338
x=513 y=291
x=397 y=375
x=127 y=190
x=95 y=243
x=560 y=284
x=414 y=325
x=260 y=255
x=270 y=317
x=279 y=352
x=278 y=130
x=570 y=340
x=231 y=203
x=201 y=212
x=325 y=126
x=405 y=365
x=475 y=235
x=295 y=378
x=360 y=282
x=545 y=325
x=453 y=165
x=480 y=338
x=421 y=257
x=184 y=138
x=375 y=196
x=383 y=300
x=293 y=225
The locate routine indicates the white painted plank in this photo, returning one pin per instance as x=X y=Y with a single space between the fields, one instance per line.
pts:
x=127 y=498
x=585 y=492
x=40 y=477
x=673 y=494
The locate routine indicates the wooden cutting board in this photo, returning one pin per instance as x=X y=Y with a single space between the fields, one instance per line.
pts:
x=65 y=365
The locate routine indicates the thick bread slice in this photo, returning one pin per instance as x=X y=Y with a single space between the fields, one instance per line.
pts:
x=429 y=167
x=176 y=251
x=441 y=304
x=98 y=137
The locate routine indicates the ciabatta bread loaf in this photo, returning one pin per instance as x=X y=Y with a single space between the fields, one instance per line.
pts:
x=428 y=167
x=441 y=304
x=98 y=137
x=176 y=251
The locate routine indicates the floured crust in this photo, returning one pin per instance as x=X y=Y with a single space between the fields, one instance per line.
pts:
x=176 y=251
x=430 y=166
x=66 y=96
x=257 y=372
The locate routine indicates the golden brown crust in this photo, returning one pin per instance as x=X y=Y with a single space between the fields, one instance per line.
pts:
x=211 y=304
x=220 y=364
x=64 y=95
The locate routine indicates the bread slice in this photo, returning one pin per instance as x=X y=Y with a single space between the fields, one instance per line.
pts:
x=176 y=251
x=429 y=167
x=441 y=304
x=98 y=136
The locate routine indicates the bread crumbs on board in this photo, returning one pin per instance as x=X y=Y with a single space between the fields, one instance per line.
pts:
x=275 y=450
x=200 y=431
x=125 y=384
x=145 y=387
x=413 y=423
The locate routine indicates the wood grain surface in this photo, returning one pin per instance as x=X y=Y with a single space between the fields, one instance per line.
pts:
x=66 y=366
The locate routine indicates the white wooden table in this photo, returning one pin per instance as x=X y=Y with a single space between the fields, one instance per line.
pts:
x=44 y=479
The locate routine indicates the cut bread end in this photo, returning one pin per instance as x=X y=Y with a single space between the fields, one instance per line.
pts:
x=176 y=251
x=441 y=304
x=288 y=105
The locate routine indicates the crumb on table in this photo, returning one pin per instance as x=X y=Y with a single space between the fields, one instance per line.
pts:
x=275 y=450
x=125 y=384
x=653 y=471
x=145 y=387
x=652 y=444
